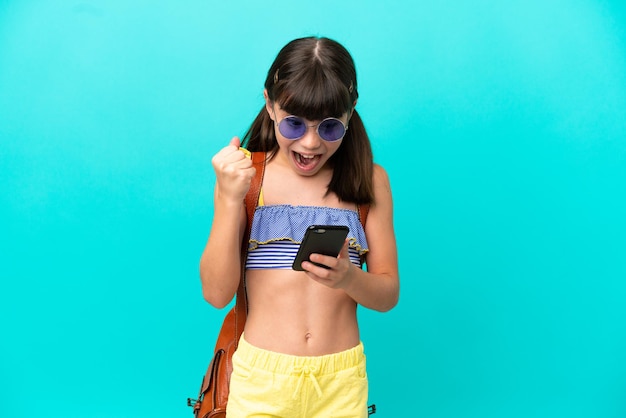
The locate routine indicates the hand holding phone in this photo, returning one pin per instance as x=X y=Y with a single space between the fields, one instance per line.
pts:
x=320 y=239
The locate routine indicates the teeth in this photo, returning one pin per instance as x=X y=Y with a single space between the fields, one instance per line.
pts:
x=305 y=158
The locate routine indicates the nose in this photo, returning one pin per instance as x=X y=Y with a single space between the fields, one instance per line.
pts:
x=311 y=139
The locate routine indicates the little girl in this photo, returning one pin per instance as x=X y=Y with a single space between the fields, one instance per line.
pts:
x=300 y=354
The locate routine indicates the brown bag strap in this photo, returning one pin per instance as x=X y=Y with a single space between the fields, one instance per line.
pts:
x=252 y=197
x=251 y=202
x=363 y=211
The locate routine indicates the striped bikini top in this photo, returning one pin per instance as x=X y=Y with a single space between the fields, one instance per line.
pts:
x=277 y=231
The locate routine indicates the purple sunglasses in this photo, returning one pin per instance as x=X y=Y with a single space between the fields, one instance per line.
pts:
x=294 y=127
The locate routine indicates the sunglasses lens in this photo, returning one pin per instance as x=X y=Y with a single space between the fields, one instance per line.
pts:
x=292 y=127
x=331 y=130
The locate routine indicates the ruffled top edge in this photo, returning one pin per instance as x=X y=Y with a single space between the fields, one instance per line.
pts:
x=289 y=223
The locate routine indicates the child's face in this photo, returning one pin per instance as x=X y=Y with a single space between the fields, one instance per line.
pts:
x=308 y=154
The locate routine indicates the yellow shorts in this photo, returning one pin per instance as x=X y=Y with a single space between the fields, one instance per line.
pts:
x=269 y=384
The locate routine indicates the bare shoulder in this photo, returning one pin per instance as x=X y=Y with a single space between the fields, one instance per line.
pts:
x=382 y=206
x=382 y=185
x=379 y=171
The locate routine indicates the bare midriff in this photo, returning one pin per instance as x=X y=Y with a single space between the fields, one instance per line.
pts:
x=290 y=313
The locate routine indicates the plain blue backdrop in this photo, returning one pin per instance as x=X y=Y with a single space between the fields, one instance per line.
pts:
x=501 y=124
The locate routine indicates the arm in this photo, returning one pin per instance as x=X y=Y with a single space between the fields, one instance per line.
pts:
x=377 y=288
x=220 y=262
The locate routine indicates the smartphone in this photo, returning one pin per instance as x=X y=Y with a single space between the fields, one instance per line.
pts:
x=320 y=239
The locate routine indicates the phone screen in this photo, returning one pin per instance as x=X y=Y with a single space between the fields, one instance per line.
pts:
x=320 y=239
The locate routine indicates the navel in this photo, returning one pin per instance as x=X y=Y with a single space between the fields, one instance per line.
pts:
x=308 y=336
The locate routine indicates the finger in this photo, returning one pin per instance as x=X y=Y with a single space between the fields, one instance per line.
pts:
x=235 y=141
x=230 y=154
x=227 y=151
x=314 y=271
x=345 y=253
x=231 y=151
x=325 y=260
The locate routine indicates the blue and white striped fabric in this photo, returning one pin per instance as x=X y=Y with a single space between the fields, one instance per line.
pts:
x=277 y=232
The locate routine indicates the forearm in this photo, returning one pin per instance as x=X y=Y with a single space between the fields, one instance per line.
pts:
x=378 y=288
x=220 y=263
x=379 y=292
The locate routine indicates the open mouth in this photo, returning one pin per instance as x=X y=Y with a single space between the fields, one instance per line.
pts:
x=306 y=162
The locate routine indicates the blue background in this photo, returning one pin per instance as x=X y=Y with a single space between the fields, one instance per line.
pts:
x=502 y=126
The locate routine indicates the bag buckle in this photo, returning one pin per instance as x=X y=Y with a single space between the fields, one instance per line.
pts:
x=371 y=410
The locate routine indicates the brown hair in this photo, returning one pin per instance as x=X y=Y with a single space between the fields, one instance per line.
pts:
x=315 y=78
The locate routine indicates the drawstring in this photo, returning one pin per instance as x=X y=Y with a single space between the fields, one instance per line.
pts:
x=305 y=371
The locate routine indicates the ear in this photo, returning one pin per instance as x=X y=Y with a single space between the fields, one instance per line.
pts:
x=351 y=111
x=269 y=105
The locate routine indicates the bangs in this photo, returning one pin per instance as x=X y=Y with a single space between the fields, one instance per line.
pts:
x=314 y=95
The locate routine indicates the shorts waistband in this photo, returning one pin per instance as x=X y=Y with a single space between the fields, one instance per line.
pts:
x=287 y=363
